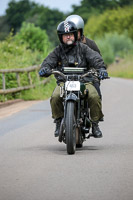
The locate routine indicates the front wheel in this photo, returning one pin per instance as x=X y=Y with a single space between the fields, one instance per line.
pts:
x=70 y=128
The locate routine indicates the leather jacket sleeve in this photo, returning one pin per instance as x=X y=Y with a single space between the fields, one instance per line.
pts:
x=51 y=61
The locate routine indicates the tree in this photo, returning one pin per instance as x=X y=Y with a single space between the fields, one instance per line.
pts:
x=4 y=28
x=93 y=7
x=117 y=20
x=47 y=19
x=125 y=2
x=16 y=12
x=96 y=7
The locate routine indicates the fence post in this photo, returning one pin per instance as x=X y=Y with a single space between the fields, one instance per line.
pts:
x=29 y=77
x=4 y=86
x=3 y=79
x=38 y=77
x=18 y=78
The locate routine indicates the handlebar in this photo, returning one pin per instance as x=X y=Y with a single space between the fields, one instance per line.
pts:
x=89 y=73
x=81 y=76
x=59 y=73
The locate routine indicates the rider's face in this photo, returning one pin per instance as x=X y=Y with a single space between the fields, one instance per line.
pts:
x=68 y=38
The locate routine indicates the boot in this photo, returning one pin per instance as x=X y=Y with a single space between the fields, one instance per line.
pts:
x=57 y=129
x=96 y=130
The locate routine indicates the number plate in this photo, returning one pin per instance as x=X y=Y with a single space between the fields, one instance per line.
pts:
x=72 y=85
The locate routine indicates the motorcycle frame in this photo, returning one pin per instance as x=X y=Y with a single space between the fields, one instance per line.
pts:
x=81 y=112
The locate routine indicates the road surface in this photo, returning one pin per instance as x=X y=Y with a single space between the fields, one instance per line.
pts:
x=35 y=166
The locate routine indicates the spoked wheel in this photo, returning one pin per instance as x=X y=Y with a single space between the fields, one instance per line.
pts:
x=70 y=128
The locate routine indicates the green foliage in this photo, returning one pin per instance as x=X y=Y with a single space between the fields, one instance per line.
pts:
x=34 y=37
x=121 y=43
x=106 y=51
x=113 y=45
x=113 y=32
x=111 y=21
x=13 y=54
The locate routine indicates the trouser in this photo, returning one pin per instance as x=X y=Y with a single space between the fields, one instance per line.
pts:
x=94 y=102
x=97 y=86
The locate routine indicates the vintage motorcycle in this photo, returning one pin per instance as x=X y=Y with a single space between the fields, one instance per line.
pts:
x=76 y=124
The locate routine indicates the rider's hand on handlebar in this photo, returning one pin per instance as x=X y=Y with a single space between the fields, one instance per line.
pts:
x=103 y=74
x=44 y=72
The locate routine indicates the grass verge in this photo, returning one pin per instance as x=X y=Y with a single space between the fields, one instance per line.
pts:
x=122 y=69
x=41 y=92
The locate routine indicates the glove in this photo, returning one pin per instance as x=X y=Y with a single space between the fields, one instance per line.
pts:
x=103 y=74
x=44 y=72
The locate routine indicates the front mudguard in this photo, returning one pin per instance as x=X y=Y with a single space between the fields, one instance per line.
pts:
x=71 y=97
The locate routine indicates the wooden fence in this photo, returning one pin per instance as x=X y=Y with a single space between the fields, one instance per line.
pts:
x=17 y=72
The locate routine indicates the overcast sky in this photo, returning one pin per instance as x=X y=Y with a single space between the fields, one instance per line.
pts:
x=62 y=5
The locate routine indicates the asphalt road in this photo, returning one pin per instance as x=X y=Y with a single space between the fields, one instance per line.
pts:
x=35 y=166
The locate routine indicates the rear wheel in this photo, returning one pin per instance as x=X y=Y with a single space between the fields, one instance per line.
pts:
x=79 y=141
x=70 y=128
x=79 y=145
x=61 y=133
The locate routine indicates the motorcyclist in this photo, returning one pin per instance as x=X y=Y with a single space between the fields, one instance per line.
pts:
x=70 y=52
x=79 y=22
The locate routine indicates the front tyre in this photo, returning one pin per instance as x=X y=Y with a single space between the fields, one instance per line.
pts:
x=70 y=128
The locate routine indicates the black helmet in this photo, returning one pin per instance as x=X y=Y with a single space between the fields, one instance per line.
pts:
x=67 y=27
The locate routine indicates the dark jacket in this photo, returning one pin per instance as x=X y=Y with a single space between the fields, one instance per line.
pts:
x=78 y=55
x=90 y=43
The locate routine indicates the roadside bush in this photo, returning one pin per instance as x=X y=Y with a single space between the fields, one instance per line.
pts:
x=106 y=51
x=116 y=20
x=15 y=54
x=34 y=37
x=121 y=43
x=114 y=44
